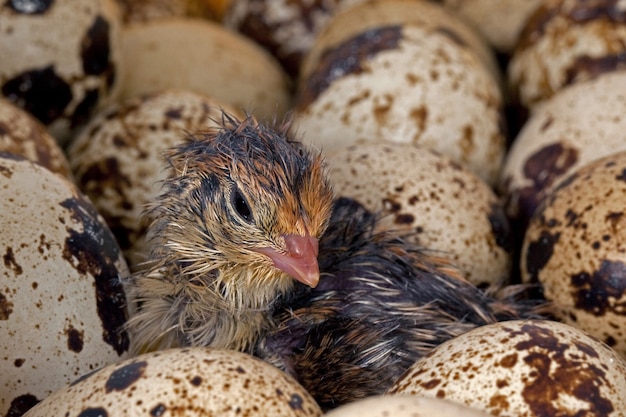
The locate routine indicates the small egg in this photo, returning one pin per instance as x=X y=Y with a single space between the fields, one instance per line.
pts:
x=62 y=304
x=405 y=84
x=565 y=42
x=186 y=381
x=118 y=162
x=134 y=11
x=575 y=246
x=400 y=405
x=61 y=61
x=22 y=134
x=202 y=56
x=530 y=368
x=581 y=123
x=437 y=203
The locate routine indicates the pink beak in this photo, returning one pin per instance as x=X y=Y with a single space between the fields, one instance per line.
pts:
x=300 y=261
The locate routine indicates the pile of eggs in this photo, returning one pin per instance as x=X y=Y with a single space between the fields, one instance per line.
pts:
x=490 y=131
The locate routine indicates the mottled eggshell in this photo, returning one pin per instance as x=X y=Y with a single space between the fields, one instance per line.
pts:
x=22 y=134
x=202 y=56
x=523 y=368
x=400 y=405
x=144 y=10
x=186 y=381
x=62 y=305
x=575 y=246
x=581 y=123
x=118 y=162
x=439 y=204
x=60 y=60
x=564 y=42
x=405 y=84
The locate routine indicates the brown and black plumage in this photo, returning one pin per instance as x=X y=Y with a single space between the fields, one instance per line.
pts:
x=251 y=251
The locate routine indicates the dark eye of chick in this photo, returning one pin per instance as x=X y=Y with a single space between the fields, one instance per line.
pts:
x=241 y=206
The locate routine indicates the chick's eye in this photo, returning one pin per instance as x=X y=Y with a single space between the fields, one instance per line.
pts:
x=241 y=206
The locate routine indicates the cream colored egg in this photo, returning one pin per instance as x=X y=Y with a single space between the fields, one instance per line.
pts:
x=581 y=123
x=575 y=246
x=400 y=405
x=439 y=204
x=528 y=368
x=62 y=305
x=202 y=56
x=61 y=60
x=22 y=134
x=118 y=161
x=565 y=42
x=190 y=381
x=144 y=10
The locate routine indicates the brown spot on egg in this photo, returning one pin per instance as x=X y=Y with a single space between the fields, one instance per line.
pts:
x=10 y=262
x=19 y=362
x=95 y=48
x=6 y=307
x=196 y=381
x=93 y=412
x=158 y=410
x=509 y=360
x=601 y=290
x=539 y=253
x=404 y=218
x=20 y=405
x=125 y=376
x=588 y=68
x=29 y=6
x=85 y=108
x=295 y=402
x=74 y=339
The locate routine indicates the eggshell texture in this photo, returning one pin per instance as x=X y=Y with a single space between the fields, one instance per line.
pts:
x=62 y=305
x=564 y=42
x=204 y=57
x=144 y=10
x=406 y=84
x=404 y=406
x=61 y=61
x=22 y=134
x=523 y=368
x=581 y=123
x=438 y=203
x=118 y=161
x=575 y=246
x=190 y=381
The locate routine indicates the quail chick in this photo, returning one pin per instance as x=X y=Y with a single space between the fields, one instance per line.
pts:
x=251 y=251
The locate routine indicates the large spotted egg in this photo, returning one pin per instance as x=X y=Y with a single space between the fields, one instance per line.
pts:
x=437 y=203
x=62 y=305
x=575 y=246
x=60 y=59
x=185 y=381
x=118 y=162
x=523 y=368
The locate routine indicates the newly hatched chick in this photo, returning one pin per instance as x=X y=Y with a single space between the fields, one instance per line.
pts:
x=245 y=223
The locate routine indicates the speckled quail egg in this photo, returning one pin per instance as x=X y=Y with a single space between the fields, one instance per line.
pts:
x=564 y=42
x=523 y=368
x=202 y=56
x=400 y=405
x=575 y=246
x=62 y=305
x=22 y=134
x=117 y=159
x=144 y=10
x=186 y=381
x=438 y=203
x=581 y=123
x=61 y=60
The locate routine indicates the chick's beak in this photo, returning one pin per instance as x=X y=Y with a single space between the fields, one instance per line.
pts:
x=300 y=261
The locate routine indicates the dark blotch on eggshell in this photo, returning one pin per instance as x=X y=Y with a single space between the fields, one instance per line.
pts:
x=11 y=263
x=295 y=402
x=124 y=377
x=85 y=108
x=347 y=58
x=6 y=307
x=29 y=6
x=597 y=292
x=588 y=68
x=158 y=410
x=500 y=227
x=95 y=48
x=40 y=92
x=539 y=253
x=74 y=339
x=20 y=405
x=95 y=251
x=93 y=412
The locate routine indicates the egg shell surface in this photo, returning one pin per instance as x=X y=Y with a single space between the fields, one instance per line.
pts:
x=145 y=10
x=186 y=381
x=62 y=305
x=523 y=368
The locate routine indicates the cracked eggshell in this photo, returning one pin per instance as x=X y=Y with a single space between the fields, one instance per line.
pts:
x=190 y=381
x=117 y=159
x=400 y=405
x=405 y=84
x=205 y=57
x=62 y=305
x=440 y=204
x=527 y=368
x=61 y=60
x=565 y=42
x=575 y=246
x=582 y=123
